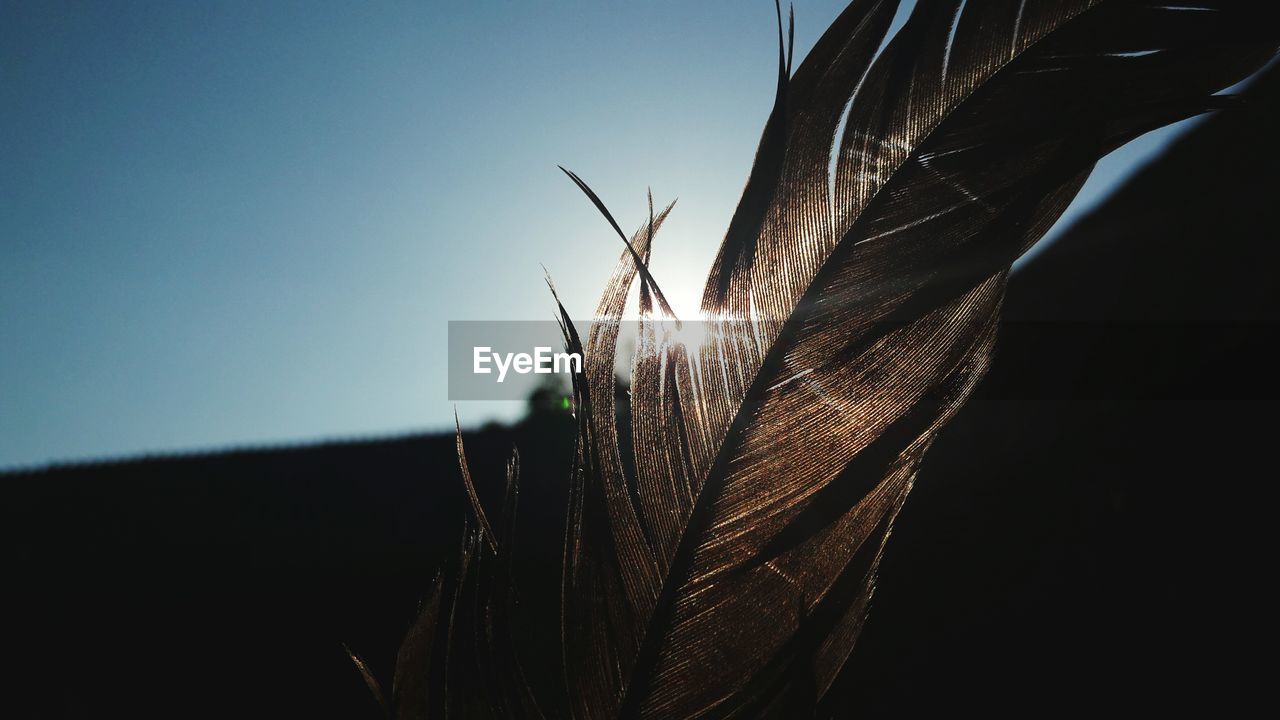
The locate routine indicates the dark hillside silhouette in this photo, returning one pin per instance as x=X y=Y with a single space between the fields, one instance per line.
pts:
x=1084 y=536
x=1088 y=534
x=222 y=585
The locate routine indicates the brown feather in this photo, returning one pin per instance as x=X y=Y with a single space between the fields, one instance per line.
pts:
x=849 y=316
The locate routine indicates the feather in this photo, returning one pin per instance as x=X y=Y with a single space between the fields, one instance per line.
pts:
x=849 y=314
x=370 y=680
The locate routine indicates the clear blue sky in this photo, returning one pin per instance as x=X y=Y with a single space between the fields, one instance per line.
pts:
x=228 y=223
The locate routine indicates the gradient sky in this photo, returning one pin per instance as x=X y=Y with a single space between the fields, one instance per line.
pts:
x=228 y=223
